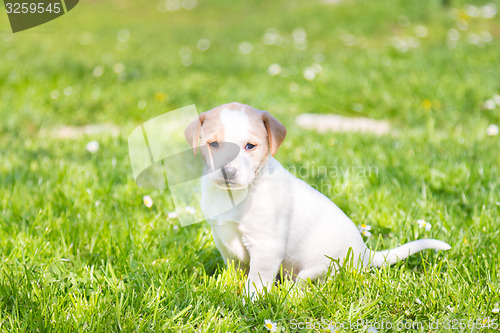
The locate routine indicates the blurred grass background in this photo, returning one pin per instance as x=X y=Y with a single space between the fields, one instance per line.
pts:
x=80 y=251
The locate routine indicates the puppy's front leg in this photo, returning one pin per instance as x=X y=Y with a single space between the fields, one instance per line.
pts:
x=263 y=270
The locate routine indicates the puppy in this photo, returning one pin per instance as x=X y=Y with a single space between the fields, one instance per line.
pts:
x=279 y=219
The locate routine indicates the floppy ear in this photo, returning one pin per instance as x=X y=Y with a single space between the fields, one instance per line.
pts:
x=192 y=132
x=276 y=132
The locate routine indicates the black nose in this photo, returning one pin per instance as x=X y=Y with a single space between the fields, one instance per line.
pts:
x=229 y=172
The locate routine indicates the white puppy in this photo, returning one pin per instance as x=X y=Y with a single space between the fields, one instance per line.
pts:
x=280 y=219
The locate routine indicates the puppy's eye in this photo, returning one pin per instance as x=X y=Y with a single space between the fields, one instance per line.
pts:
x=249 y=146
x=214 y=144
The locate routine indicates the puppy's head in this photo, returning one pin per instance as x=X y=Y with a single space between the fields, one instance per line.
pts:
x=235 y=140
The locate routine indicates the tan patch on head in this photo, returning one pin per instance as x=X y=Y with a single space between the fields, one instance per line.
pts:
x=251 y=134
x=208 y=123
x=212 y=128
x=274 y=130
x=209 y=127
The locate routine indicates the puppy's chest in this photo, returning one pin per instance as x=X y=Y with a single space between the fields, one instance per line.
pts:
x=230 y=240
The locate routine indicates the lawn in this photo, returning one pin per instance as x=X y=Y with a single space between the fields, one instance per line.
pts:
x=79 y=249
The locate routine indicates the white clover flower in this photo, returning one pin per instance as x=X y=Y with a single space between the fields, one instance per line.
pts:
x=319 y=57
x=474 y=39
x=119 y=68
x=54 y=94
x=86 y=38
x=299 y=35
x=309 y=73
x=318 y=68
x=186 y=56
x=92 y=146
x=496 y=98
x=400 y=44
x=418 y=301
x=68 y=91
x=453 y=35
x=413 y=42
x=423 y=224
x=172 y=5
x=462 y=24
x=270 y=325
x=489 y=11
x=245 y=47
x=187 y=60
x=147 y=201
x=123 y=35
x=274 y=69
x=173 y=215
x=472 y=10
x=358 y=107
x=364 y=229
x=486 y=37
x=371 y=329
x=348 y=39
x=189 y=4
x=203 y=44
x=489 y=104
x=492 y=130
x=98 y=71
x=271 y=36
x=421 y=31
x=300 y=38
x=190 y=210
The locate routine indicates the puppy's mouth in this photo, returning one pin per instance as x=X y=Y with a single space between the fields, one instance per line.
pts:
x=228 y=184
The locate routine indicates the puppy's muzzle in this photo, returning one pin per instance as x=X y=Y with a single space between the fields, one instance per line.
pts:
x=229 y=173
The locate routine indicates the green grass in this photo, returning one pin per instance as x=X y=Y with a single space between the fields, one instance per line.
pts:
x=79 y=251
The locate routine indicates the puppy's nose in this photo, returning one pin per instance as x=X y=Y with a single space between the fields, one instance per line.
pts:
x=229 y=172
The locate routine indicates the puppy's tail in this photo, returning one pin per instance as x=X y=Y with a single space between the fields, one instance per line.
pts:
x=389 y=257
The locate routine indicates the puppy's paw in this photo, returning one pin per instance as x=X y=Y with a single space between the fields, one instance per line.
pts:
x=252 y=291
x=251 y=294
x=252 y=297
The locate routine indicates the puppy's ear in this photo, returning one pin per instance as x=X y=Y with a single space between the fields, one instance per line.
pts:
x=276 y=132
x=192 y=132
